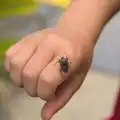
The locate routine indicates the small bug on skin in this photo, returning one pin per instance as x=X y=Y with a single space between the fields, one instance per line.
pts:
x=64 y=64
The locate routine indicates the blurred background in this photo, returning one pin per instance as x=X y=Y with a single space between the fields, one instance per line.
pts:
x=96 y=97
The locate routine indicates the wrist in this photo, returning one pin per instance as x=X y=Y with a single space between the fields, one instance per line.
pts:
x=84 y=20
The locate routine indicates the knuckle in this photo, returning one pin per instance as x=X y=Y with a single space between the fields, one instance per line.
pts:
x=15 y=63
x=27 y=74
x=32 y=94
x=47 y=80
x=16 y=83
x=45 y=90
x=7 y=54
x=43 y=96
x=15 y=79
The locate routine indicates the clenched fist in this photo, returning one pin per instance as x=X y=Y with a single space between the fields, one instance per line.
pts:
x=33 y=64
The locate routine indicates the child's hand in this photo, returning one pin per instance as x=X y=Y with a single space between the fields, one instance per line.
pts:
x=32 y=64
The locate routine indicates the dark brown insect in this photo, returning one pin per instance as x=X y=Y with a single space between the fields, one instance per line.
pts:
x=64 y=64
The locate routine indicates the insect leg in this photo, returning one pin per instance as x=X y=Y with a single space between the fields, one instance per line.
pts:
x=58 y=59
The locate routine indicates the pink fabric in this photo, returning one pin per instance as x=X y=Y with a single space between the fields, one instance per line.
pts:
x=108 y=118
x=116 y=114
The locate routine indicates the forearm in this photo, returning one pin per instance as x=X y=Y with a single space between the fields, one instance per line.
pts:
x=86 y=18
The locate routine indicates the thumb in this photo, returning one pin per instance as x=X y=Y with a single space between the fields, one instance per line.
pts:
x=63 y=95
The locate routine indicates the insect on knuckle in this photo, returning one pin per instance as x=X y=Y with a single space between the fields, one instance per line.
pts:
x=64 y=64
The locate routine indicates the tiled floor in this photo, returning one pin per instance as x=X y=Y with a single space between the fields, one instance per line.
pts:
x=92 y=102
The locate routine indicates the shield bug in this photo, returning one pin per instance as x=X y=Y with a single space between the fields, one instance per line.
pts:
x=64 y=64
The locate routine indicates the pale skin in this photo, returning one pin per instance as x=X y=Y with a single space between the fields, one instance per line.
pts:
x=31 y=61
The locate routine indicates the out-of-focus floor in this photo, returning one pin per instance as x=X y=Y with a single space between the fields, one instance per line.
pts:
x=93 y=101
